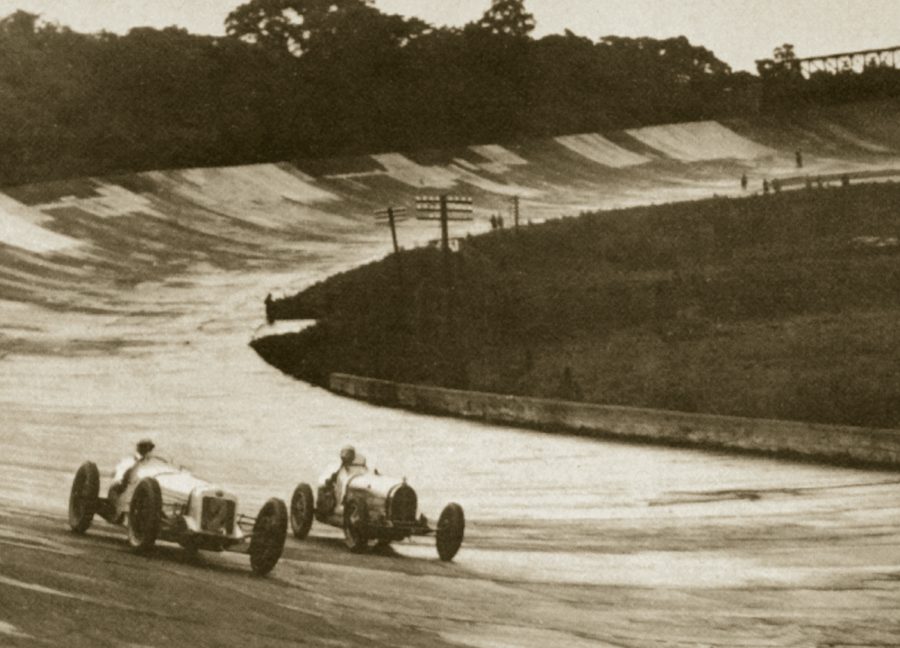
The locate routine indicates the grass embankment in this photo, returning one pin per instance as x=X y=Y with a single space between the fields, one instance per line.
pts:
x=762 y=307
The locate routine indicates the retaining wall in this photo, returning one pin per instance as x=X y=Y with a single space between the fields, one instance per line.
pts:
x=839 y=444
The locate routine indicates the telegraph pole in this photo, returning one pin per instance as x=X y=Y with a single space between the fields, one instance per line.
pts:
x=445 y=229
x=447 y=208
x=393 y=229
x=389 y=215
x=515 y=207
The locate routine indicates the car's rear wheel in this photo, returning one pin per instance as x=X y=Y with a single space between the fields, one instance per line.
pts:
x=144 y=515
x=451 y=527
x=302 y=509
x=269 y=534
x=84 y=498
x=356 y=522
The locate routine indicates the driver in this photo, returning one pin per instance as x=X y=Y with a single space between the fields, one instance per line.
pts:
x=125 y=468
x=352 y=464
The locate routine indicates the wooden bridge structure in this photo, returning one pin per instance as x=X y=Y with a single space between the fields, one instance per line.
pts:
x=845 y=61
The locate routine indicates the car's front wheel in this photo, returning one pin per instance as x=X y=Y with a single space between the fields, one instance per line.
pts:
x=144 y=515
x=269 y=534
x=84 y=498
x=451 y=527
x=302 y=508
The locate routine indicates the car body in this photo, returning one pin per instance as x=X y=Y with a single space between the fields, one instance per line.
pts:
x=157 y=499
x=371 y=507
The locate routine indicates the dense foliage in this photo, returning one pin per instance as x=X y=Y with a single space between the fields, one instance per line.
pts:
x=770 y=306
x=315 y=78
x=309 y=78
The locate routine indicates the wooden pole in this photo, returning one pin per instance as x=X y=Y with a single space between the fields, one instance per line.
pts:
x=516 y=211
x=445 y=233
x=390 y=211
x=447 y=270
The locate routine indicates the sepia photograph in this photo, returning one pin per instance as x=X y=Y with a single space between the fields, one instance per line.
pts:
x=449 y=323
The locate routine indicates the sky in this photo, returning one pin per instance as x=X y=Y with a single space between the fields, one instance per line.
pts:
x=737 y=31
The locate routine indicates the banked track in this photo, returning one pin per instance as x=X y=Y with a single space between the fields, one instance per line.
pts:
x=148 y=224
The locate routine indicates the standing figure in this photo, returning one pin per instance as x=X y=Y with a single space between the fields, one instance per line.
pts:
x=765 y=186
x=744 y=181
x=270 y=316
x=799 y=157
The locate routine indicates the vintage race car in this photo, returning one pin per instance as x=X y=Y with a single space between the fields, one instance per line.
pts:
x=162 y=501
x=374 y=508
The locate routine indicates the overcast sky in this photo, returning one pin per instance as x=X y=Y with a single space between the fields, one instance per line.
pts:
x=738 y=31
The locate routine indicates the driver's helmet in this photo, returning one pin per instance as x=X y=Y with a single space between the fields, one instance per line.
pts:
x=144 y=447
x=348 y=454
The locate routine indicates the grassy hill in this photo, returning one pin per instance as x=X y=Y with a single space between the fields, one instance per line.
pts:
x=774 y=306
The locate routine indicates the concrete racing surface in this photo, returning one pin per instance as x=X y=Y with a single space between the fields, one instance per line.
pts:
x=784 y=555
x=126 y=305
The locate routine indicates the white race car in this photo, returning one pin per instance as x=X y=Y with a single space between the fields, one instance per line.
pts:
x=371 y=507
x=159 y=500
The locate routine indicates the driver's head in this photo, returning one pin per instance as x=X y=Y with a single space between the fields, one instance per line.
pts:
x=348 y=454
x=144 y=446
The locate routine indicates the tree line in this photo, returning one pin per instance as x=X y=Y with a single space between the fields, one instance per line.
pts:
x=313 y=78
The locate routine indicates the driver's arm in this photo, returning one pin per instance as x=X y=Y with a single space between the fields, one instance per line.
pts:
x=331 y=480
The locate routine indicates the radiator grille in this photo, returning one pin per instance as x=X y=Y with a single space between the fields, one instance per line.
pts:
x=403 y=505
x=218 y=516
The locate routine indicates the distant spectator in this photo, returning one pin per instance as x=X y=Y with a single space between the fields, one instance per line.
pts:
x=776 y=185
x=765 y=186
x=799 y=157
x=270 y=316
x=744 y=181
x=845 y=180
x=493 y=221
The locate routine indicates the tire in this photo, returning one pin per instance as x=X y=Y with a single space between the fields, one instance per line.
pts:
x=451 y=527
x=356 y=522
x=269 y=534
x=144 y=515
x=84 y=498
x=302 y=509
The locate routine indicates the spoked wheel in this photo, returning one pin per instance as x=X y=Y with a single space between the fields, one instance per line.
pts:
x=144 y=515
x=302 y=511
x=84 y=499
x=451 y=527
x=269 y=534
x=356 y=522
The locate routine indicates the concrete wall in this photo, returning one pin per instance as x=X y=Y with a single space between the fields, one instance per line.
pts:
x=840 y=444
